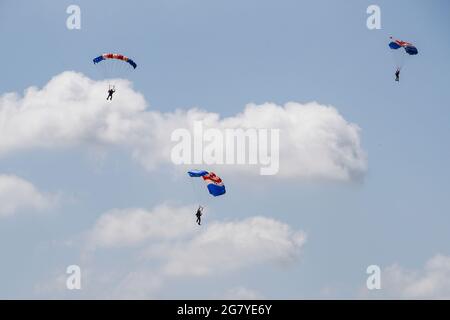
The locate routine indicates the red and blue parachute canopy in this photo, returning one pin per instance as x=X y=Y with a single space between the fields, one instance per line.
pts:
x=408 y=47
x=116 y=56
x=214 y=183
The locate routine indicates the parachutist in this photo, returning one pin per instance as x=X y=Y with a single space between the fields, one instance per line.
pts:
x=214 y=184
x=110 y=93
x=401 y=50
x=199 y=215
x=113 y=65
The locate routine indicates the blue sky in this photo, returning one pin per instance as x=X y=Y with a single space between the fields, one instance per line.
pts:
x=220 y=56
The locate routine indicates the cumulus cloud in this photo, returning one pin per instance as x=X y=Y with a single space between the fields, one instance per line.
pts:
x=68 y=110
x=432 y=282
x=315 y=140
x=17 y=195
x=227 y=246
x=141 y=253
x=167 y=238
x=129 y=227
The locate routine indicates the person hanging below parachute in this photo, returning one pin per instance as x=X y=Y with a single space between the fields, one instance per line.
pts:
x=111 y=92
x=406 y=49
x=213 y=183
x=198 y=214
x=397 y=74
x=114 y=65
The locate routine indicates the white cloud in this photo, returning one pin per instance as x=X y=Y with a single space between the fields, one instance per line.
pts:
x=17 y=195
x=70 y=109
x=433 y=282
x=131 y=227
x=166 y=249
x=227 y=246
x=183 y=248
x=315 y=140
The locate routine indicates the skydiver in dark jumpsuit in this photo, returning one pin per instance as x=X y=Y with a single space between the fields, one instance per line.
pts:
x=110 y=93
x=199 y=215
x=397 y=75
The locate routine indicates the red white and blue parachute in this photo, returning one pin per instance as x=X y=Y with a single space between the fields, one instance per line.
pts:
x=214 y=183
x=114 y=66
x=407 y=46
x=401 y=51
x=116 y=56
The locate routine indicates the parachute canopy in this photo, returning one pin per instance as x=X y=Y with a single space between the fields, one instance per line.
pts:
x=408 y=47
x=401 y=51
x=116 y=56
x=214 y=183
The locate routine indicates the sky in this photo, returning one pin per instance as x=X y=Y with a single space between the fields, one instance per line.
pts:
x=363 y=176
